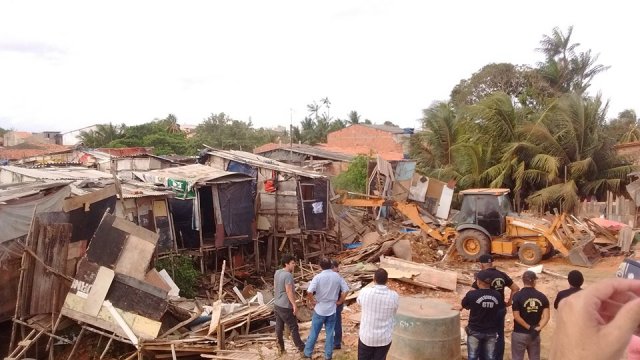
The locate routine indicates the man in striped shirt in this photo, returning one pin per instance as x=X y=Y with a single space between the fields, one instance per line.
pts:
x=379 y=305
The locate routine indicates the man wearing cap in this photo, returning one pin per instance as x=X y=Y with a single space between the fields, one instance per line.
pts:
x=499 y=281
x=486 y=306
x=576 y=280
x=530 y=315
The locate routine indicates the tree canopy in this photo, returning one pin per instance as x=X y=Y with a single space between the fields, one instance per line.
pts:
x=535 y=130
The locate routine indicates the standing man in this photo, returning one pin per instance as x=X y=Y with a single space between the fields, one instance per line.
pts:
x=576 y=280
x=486 y=306
x=378 y=305
x=337 y=338
x=285 y=303
x=530 y=316
x=499 y=281
x=326 y=286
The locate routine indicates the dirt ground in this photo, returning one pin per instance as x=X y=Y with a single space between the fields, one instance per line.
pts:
x=548 y=284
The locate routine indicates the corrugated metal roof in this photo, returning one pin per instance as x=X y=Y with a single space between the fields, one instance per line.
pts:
x=19 y=190
x=68 y=173
x=192 y=174
x=312 y=151
x=263 y=162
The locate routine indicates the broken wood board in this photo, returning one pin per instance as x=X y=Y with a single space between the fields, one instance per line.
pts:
x=428 y=276
x=153 y=277
x=141 y=326
x=77 y=202
x=98 y=292
x=135 y=257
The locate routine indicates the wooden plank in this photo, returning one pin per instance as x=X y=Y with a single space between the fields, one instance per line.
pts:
x=428 y=275
x=135 y=257
x=51 y=249
x=98 y=291
x=217 y=212
x=78 y=202
x=137 y=299
x=153 y=278
x=141 y=285
x=135 y=230
x=107 y=243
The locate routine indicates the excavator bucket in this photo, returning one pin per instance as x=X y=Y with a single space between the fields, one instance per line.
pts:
x=584 y=254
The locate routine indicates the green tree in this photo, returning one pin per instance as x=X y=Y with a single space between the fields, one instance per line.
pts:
x=102 y=135
x=355 y=178
x=566 y=69
x=354 y=117
x=521 y=83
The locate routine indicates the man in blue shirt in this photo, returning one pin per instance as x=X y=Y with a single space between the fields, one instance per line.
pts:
x=323 y=291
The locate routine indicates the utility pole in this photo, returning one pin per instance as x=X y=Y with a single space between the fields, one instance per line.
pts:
x=290 y=135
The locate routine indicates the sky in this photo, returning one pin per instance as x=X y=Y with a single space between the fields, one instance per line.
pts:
x=70 y=64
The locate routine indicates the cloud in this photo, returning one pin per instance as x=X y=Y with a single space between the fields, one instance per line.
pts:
x=31 y=48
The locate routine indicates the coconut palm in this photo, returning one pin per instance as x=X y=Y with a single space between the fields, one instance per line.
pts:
x=573 y=154
x=101 y=135
x=172 y=124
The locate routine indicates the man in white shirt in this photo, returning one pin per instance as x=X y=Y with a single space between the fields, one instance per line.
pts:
x=323 y=290
x=379 y=305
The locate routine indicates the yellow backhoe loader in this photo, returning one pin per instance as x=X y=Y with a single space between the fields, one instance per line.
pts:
x=486 y=224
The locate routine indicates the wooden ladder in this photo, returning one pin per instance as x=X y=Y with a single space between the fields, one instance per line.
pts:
x=25 y=344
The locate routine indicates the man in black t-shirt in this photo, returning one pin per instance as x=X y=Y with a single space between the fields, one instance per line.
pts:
x=530 y=315
x=576 y=280
x=499 y=281
x=485 y=305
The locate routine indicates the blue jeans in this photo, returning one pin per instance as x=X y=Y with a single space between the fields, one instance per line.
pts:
x=317 y=321
x=481 y=344
x=337 y=338
x=499 y=355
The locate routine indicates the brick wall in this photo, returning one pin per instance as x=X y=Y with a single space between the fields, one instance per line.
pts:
x=358 y=135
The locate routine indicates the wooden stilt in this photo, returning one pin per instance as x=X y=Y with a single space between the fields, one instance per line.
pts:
x=75 y=345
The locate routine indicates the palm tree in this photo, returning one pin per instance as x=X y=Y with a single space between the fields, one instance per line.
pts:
x=577 y=159
x=565 y=68
x=172 y=124
x=102 y=135
x=313 y=109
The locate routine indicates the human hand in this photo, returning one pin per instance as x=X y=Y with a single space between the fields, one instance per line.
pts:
x=608 y=310
x=295 y=309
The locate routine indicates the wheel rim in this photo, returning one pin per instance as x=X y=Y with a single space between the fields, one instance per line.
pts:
x=471 y=246
x=529 y=254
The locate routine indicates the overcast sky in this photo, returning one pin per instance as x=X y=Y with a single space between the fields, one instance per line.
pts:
x=65 y=65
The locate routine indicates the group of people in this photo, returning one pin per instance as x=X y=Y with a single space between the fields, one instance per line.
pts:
x=327 y=292
x=594 y=323
x=589 y=312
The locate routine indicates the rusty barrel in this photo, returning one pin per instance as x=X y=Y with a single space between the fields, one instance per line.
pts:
x=425 y=329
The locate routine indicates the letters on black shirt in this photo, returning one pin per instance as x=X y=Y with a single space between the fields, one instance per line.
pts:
x=485 y=306
x=499 y=281
x=529 y=302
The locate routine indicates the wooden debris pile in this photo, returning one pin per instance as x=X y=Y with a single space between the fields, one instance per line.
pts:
x=611 y=237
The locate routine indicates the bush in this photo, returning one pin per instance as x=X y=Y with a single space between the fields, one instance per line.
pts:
x=183 y=273
x=355 y=178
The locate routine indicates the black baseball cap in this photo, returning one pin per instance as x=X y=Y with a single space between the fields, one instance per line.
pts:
x=529 y=275
x=485 y=259
x=485 y=276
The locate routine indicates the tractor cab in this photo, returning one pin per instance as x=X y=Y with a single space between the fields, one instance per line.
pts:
x=484 y=209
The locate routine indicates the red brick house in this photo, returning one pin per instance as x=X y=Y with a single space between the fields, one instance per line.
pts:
x=390 y=142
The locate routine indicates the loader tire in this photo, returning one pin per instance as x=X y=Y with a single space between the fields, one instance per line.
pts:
x=471 y=244
x=530 y=254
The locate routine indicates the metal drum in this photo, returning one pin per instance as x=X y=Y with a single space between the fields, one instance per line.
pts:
x=425 y=329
